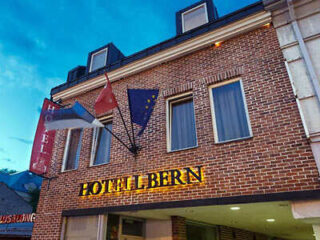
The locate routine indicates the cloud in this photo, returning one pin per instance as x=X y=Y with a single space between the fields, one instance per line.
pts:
x=26 y=141
x=16 y=73
x=6 y=159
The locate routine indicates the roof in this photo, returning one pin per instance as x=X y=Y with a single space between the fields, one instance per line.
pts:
x=11 y=202
x=211 y=26
x=21 y=181
x=16 y=229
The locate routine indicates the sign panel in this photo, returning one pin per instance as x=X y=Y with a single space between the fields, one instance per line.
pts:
x=17 y=218
x=155 y=180
x=43 y=143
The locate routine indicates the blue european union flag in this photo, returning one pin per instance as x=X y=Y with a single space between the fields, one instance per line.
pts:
x=141 y=104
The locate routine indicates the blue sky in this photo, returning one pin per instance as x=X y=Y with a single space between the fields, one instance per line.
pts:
x=40 y=41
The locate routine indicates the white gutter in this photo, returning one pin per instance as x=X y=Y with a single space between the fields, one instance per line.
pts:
x=304 y=51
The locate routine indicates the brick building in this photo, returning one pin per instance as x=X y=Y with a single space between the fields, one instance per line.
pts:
x=224 y=155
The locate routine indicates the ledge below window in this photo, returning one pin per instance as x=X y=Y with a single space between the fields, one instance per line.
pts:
x=234 y=140
x=183 y=149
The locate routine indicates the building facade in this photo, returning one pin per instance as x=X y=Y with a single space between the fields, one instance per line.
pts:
x=224 y=156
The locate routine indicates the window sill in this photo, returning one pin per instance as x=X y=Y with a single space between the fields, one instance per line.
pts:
x=69 y=170
x=234 y=140
x=182 y=149
x=101 y=164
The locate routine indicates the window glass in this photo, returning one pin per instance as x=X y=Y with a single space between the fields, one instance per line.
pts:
x=113 y=227
x=230 y=112
x=132 y=227
x=98 y=60
x=81 y=228
x=194 y=18
x=199 y=232
x=183 y=129
x=102 y=144
x=74 y=149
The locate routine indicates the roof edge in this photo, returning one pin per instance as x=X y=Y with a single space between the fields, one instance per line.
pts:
x=236 y=23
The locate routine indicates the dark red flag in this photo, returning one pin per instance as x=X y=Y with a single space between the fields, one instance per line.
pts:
x=106 y=100
x=43 y=143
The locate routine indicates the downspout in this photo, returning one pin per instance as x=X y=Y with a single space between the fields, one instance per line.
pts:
x=304 y=51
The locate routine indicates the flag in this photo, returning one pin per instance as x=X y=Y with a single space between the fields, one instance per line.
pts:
x=141 y=104
x=42 y=143
x=106 y=100
x=75 y=117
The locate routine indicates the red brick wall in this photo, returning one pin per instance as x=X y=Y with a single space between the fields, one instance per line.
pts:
x=179 y=230
x=223 y=232
x=228 y=233
x=277 y=159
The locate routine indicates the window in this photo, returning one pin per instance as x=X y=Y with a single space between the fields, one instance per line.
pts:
x=132 y=227
x=101 y=144
x=82 y=228
x=72 y=150
x=199 y=231
x=230 y=115
x=98 y=60
x=194 y=17
x=182 y=127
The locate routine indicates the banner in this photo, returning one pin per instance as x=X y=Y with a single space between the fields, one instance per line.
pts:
x=43 y=143
x=17 y=218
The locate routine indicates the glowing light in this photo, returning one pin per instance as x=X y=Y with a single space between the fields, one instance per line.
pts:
x=267 y=25
x=235 y=208
x=217 y=44
x=270 y=220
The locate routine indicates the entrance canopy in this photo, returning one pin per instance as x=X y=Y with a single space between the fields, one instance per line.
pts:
x=269 y=218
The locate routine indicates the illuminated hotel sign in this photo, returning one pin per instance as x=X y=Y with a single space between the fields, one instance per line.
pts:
x=154 y=180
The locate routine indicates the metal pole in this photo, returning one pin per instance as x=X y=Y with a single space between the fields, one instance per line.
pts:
x=117 y=138
x=125 y=126
x=134 y=140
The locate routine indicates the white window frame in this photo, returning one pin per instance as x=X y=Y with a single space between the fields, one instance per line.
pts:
x=192 y=9
x=96 y=53
x=215 y=129
x=104 y=120
x=169 y=101
x=66 y=151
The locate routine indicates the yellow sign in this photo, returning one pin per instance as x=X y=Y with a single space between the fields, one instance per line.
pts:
x=166 y=178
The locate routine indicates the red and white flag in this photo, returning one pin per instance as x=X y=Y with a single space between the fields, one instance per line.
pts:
x=106 y=100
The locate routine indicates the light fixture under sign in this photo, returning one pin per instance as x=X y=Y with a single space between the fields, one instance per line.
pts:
x=270 y=220
x=235 y=208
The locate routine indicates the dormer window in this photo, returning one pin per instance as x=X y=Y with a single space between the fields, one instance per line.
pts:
x=98 y=59
x=194 y=17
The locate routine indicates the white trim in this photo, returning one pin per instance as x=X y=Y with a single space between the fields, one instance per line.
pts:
x=221 y=34
x=303 y=49
x=66 y=151
x=63 y=228
x=304 y=124
x=192 y=9
x=95 y=136
x=169 y=102
x=96 y=53
x=102 y=227
x=214 y=125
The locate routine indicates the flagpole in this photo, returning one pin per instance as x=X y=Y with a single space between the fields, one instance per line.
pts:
x=134 y=140
x=105 y=127
x=125 y=126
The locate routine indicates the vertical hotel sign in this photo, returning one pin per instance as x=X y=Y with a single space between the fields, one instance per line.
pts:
x=43 y=143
